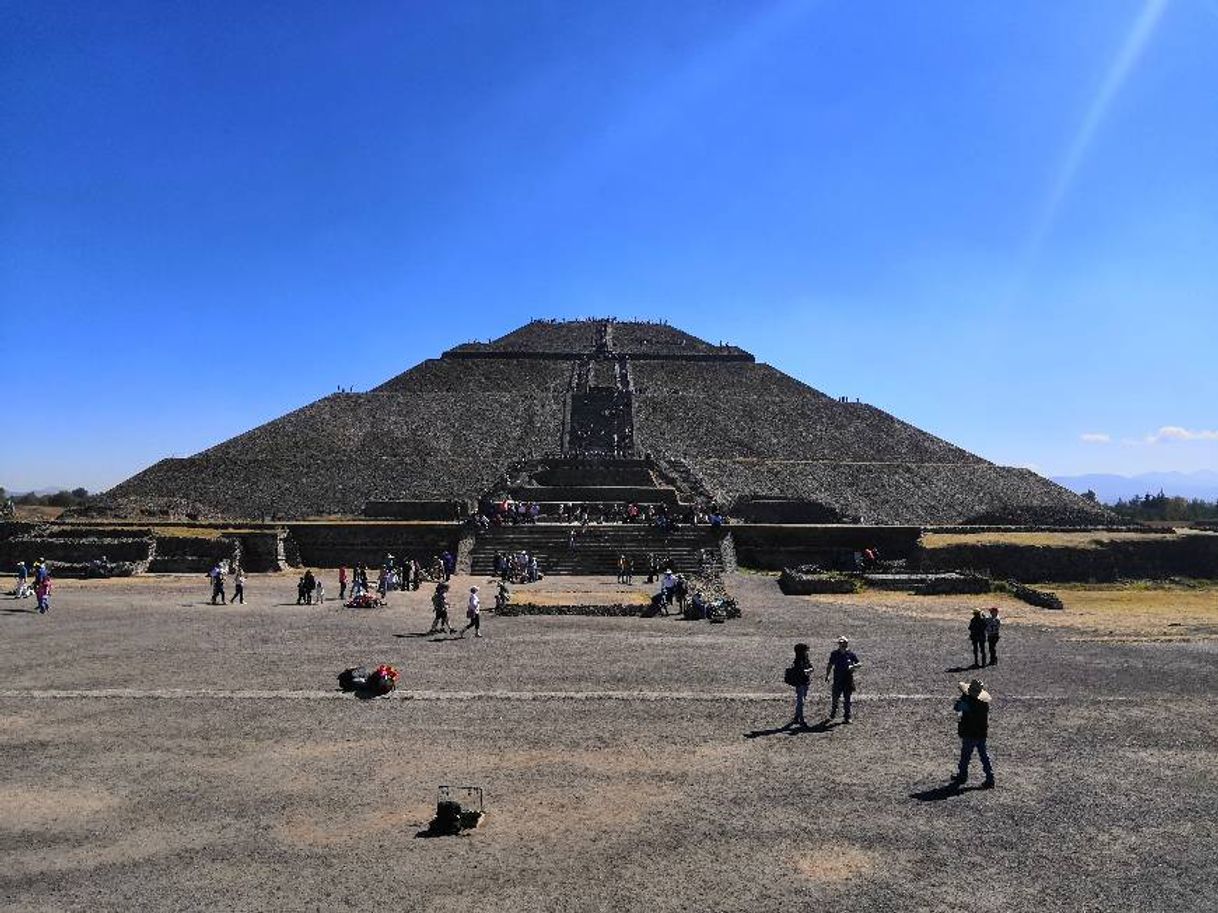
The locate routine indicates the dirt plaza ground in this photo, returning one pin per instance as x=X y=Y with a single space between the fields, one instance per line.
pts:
x=158 y=752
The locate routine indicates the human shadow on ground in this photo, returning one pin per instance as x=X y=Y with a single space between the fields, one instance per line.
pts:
x=19 y=611
x=957 y=669
x=788 y=729
x=416 y=634
x=939 y=793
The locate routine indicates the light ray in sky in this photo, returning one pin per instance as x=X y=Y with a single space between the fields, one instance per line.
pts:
x=1139 y=36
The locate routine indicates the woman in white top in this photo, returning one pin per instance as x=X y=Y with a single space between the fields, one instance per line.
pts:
x=473 y=613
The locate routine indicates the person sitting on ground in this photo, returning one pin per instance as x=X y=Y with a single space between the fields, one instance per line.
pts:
x=700 y=605
x=503 y=596
x=976 y=636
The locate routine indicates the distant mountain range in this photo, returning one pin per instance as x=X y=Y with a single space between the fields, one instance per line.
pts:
x=1108 y=488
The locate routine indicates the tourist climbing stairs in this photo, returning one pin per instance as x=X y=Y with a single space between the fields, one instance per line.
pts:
x=598 y=546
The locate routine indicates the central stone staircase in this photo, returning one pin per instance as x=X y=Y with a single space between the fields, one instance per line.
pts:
x=598 y=547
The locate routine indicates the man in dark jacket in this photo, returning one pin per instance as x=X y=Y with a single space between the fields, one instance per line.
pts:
x=841 y=665
x=976 y=634
x=973 y=729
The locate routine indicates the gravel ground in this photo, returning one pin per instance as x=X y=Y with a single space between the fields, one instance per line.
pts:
x=161 y=752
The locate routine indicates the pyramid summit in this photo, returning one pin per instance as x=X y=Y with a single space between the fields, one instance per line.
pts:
x=597 y=410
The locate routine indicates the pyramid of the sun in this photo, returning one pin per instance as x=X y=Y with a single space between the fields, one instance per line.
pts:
x=705 y=420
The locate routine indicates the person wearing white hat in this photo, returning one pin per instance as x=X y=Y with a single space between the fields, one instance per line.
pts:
x=473 y=613
x=973 y=729
x=842 y=663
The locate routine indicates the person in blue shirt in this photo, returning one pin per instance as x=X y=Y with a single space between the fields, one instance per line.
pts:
x=841 y=666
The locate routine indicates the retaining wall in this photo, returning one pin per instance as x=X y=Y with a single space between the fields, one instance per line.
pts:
x=775 y=546
x=335 y=545
x=1151 y=558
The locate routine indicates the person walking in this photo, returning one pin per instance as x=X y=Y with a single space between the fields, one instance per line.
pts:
x=217 y=583
x=841 y=665
x=43 y=592
x=238 y=587
x=992 y=624
x=799 y=677
x=439 y=606
x=342 y=583
x=473 y=613
x=976 y=635
x=973 y=729
x=23 y=581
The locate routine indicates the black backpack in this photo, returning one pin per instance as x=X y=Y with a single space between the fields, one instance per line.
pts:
x=796 y=677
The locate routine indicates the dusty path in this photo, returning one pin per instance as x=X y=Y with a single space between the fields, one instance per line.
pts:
x=158 y=752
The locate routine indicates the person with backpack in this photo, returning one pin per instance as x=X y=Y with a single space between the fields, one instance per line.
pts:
x=799 y=677
x=43 y=592
x=973 y=728
x=439 y=605
x=217 y=583
x=976 y=635
x=992 y=625
x=473 y=613
x=842 y=663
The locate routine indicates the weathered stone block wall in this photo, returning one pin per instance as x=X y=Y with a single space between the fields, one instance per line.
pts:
x=334 y=545
x=191 y=554
x=1152 y=558
x=416 y=510
x=261 y=551
x=774 y=546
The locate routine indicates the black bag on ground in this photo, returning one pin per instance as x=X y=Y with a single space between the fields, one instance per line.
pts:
x=353 y=678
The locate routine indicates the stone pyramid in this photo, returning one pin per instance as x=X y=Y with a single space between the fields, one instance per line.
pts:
x=703 y=421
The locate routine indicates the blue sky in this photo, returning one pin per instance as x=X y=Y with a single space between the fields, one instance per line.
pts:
x=998 y=221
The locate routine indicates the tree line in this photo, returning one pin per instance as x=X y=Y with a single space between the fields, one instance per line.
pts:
x=1161 y=507
x=73 y=498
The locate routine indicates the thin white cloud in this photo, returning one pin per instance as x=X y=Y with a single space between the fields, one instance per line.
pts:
x=1094 y=437
x=1176 y=433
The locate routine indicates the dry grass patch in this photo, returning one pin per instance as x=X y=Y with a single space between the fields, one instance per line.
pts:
x=1123 y=612
x=1083 y=539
